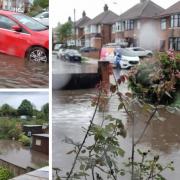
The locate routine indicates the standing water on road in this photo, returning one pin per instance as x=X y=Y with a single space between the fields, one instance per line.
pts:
x=20 y=73
x=72 y=110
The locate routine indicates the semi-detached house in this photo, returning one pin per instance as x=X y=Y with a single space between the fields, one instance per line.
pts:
x=79 y=29
x=170 y=28
x=139 y=26
x=98 y=30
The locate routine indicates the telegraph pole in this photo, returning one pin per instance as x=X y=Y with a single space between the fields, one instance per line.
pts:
x=75 y=26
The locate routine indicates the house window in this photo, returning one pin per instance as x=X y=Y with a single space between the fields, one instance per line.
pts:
x=99 y=28
x=129 y=24
x=175 y=20
x=163 y=24
x=93 y=29
x=113 y=28
x=86 y=29
x=174 y=43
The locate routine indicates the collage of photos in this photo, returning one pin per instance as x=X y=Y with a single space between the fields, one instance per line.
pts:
x=24 y=98
x=89 y=90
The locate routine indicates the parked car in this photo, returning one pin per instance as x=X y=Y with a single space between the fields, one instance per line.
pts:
x=60 y=53
x=72 y=55
x=24 y=37
x=88 y=49
x=127 y=58
x=43 y=18
x=141 y=52
x=56 y=48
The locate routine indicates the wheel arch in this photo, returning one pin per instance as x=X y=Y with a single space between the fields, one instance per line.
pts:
x=26 y=53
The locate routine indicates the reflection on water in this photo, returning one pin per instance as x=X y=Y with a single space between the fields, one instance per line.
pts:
x=72 y=110
x=15 y=153
x=19 y=73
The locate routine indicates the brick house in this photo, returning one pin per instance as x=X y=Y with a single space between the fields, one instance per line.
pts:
x=79 y=29
x=98 y=30
x=139 y=26
x=14 y=5
x=170 y=28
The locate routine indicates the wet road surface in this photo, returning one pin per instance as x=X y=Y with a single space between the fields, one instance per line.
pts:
x=72 y=110
x=19 y=73
x=14 y=152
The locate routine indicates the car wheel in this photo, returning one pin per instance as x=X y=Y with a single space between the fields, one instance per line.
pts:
x=37 y=54
x=150 y=55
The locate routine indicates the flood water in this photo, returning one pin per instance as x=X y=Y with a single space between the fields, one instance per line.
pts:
x=19 y=73
x=72 y=110
x=15 y=153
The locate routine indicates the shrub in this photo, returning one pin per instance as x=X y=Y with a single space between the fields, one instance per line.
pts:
x=14 y=133
x=26 y=141
x=5 y=174
x=157 y=81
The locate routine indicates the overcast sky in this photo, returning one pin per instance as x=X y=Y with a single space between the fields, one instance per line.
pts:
x=61 y=10
x=15 y=98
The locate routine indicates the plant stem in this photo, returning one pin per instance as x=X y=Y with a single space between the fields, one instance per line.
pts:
x=146 y=126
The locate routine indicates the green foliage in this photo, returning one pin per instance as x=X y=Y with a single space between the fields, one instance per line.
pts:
x=26 y=108
x=41 y=3
x=15 y=133
x=158 y=81
x=5 y=174
x=45 y=111
x=65 y=31
x=148 y=167
x=5 y=126
x=7 y=110
x=26 y=141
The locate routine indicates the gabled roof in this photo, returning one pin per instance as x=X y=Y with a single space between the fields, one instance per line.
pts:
x=175 y=8
x=144 y=9
x=82 y=21
x=106 y=17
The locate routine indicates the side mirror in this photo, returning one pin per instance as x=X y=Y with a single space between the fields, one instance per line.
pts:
x=16 y=28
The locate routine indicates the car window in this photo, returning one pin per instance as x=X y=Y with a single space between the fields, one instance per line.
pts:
x=44 y=15
x=138 y=49
x=6 y=23
x=30 y=22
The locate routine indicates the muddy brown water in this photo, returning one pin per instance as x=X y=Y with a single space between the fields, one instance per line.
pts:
x=15 y=153
x=19 y=73
x=72 y=110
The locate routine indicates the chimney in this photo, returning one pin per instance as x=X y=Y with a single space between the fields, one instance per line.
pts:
x=142 y=1
x=69 y=19
x=83 y=14
x=106 y=7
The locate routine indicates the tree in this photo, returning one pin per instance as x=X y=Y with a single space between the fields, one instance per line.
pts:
x=41 y=3
x=26 y=108
x=65 y=31
x=45 y=111
x=7 y=110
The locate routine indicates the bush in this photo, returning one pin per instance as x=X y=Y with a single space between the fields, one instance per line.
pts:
x=5 y=174
x=14 y=133
x=26 y=141
x=157 y=81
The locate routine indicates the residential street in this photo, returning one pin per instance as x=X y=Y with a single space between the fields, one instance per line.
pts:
x=19 y=73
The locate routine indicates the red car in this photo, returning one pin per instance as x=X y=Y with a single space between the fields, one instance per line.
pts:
x=22 y=36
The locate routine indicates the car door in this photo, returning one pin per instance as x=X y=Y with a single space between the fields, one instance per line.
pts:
x=11 y=41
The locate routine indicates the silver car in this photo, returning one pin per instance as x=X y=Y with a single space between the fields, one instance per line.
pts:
x=140 y=52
